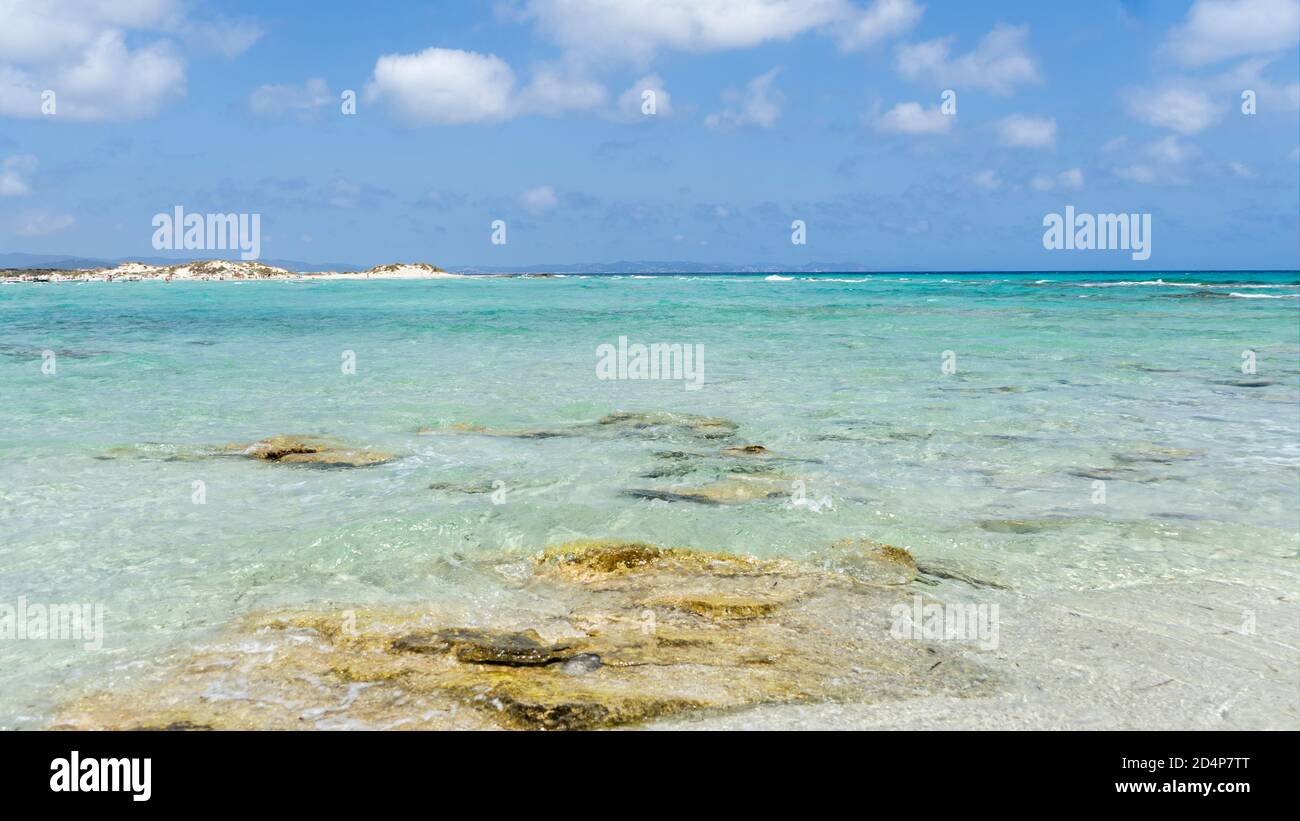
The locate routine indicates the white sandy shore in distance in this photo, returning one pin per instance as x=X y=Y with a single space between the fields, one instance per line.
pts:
x=219 y=270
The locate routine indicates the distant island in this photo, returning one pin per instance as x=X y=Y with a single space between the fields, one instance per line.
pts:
x=219 y=270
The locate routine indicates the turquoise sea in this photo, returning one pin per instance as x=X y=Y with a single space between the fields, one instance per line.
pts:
x=1091 y=434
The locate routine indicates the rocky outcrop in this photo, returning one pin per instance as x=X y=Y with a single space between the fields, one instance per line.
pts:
x=734 y=490
x=285 y=449
x=309 y=450
x=618 y=633
x=656 y=425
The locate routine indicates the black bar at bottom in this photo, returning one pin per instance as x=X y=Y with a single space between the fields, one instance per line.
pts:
x=597 y=772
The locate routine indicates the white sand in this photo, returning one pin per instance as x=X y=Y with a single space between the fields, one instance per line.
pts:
x=1158 y=656
x=222 y=270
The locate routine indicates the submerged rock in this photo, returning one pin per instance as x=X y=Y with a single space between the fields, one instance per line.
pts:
x=1116 y=474
x=618 y=633
x=455 y=427
x=284 y=449
x=654 y=425
x=747 y=450
x=1021 y=526
x=734 y=490
x=309 y=450
x=935 y=572
x=486 y=646
x=1246 y=383
x=872 y=561
x=657 y=425
x=1157 y=454
x=159 y=451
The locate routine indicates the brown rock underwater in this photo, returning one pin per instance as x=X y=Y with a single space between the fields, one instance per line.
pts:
x=617 y=633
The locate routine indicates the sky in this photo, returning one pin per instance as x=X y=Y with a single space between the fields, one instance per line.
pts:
x=905 y=135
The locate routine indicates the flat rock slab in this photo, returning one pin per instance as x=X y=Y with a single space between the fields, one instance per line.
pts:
x=629 y=632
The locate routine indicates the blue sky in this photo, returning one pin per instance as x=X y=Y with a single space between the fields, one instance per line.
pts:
x=767 y=111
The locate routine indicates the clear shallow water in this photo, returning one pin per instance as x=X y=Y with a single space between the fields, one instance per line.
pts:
x=1055 y=374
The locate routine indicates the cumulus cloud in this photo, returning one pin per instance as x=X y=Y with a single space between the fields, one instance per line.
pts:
x=229 y=38
x=1218 y=30
x=1241 y=170
x=1250 y=74
x=758 y=105
x=554 y=91
x=539 y=201
x=303 y=101
x=988 y=180
x=1022 y=131
x=40 y=224
x=1191 y=104
x=912 y=118
x=635 y=30
x=13 y=175
x=1179 y=108
x=878 y=22
x=103 y=60
x=441 y=86
x=1166 y=161
x=998 y=64
x=1070 y=179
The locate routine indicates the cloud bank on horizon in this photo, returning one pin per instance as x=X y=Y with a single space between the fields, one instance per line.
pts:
x=899 y=134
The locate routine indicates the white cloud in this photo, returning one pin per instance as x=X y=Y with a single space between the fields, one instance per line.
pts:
x=1115 y=144
x=912 y=118
x=342 y=193
x=882 y=20
x=277 y=100
x=13 y=175
x=39 y=225
x=998 y=64
x=103 y=60
x=1071 y=180
x=1178 y=108
x=1022 y=131
x=988 y=180
x=552 y=92
x=1172 y=151
x=229 y=38
x=1222 y=29
x=1138 y=172
x=1241 y=170
x=757 y=105
x=635 y=30
x=1294 y=156
x=539 y=201
x=1249 y=74
x=1166 y=161
x=631 y=102
x=440 y=86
